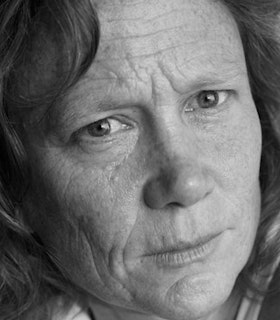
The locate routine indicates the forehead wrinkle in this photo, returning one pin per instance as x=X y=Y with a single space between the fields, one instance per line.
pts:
x=151 y=19
x=227 y=71
x=157 y=19
x=130 y=10
x=143 y=35
x=128 y=28
x=142 y=40
x=154 y=53
x=196 y=70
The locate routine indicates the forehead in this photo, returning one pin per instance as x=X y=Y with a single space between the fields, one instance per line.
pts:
x=141 y=41
x=152 y=19
x=139 y=38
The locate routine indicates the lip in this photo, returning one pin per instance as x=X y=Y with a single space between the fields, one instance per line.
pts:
x=185 y=253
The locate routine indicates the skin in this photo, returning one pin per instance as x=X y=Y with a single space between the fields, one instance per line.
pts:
x=169 y=173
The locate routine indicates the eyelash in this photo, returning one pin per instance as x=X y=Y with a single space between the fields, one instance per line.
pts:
x=107 y=124
x=111 y=122
x=220 y=94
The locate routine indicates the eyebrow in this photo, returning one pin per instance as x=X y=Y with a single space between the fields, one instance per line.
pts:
x=216 y=79
x=68 y=114
x=227 y=73
x=71 y=113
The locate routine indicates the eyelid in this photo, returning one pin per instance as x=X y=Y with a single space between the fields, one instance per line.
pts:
x=82 y=135
x=190 y=108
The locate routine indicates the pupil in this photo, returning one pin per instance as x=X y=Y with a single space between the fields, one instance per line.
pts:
x=208 y=99
x=99 y=128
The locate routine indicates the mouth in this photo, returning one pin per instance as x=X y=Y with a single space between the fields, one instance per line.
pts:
x=185 y=253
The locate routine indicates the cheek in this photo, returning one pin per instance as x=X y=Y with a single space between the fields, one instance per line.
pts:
x=237 y=152
x=239 y=188
x=84 y=206
x=86 y=217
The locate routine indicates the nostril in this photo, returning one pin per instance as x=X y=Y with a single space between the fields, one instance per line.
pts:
x=180 y=188
x=154 y=194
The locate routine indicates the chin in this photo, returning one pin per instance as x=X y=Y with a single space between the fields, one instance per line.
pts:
x=193 y=298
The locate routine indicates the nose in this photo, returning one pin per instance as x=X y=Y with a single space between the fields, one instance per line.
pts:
x=179 y=181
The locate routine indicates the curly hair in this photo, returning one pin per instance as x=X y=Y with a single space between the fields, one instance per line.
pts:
x=259 y=27
x=29 y=275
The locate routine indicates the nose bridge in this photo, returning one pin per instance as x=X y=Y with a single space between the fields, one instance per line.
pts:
x=171 y=158
x=174 y=144
x=177 y=177
x=178 y=165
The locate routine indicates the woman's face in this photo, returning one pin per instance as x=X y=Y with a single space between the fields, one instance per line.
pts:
x=145 y=176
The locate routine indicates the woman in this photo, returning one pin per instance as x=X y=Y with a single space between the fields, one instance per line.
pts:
x=139 y=159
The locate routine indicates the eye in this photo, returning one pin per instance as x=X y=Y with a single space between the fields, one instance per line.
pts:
x=104 y=127
x=207 y=99
x=103 y=132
